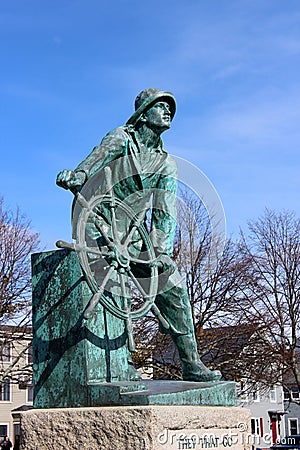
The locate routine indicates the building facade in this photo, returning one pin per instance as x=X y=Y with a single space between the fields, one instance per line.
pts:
x=292 y=409
x=266 y=407
x=15 y=377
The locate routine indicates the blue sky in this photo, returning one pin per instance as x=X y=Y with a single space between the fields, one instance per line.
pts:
x=70 y=70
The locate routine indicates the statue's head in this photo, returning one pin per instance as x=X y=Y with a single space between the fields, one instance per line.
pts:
x=146 y=99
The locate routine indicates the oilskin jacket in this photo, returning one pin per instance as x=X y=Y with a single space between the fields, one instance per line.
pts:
x=137 y=178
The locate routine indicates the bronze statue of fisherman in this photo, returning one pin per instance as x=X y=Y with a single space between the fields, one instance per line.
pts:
x=143 y=174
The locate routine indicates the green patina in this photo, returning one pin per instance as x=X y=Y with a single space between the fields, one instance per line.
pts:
x=70 y=352
x=81 y=362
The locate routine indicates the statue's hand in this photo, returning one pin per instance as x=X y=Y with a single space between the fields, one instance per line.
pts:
x=68 y=179
x=166 y=264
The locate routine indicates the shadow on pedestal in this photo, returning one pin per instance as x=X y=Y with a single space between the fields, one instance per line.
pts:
x=81 y=362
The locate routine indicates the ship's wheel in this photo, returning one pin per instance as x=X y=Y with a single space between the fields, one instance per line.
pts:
x=109 y=257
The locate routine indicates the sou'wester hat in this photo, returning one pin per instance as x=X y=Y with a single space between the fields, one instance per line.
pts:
x=146 y=100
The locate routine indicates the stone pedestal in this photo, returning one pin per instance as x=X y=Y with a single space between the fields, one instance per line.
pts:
x=71 y=353
x=140 y=428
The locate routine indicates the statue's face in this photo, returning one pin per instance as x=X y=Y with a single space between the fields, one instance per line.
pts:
x=158 y=117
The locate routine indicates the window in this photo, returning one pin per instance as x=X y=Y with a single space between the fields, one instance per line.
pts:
x=5 y=351
x=295 y=394
x=30 y=393
x=286 y=395
x=293 y=426
x=256 y=426
x=255 y=395
x=243 y=391
x=272 y=394
x=5 y=391
x=17 y=428
x=3 y=431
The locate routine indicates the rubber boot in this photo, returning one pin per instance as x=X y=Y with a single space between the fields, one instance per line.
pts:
x=193 y=368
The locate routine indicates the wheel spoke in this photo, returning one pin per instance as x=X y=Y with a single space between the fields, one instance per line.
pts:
x=138 y=220
x=78 y=248
x=138 y=284
x=107 y=171
x=160 y=317
x=131 y=344
x=94 y=301
x=123 y=286
x=96 y=261
x=94 y=216
x=144 y=261
x=100 y=228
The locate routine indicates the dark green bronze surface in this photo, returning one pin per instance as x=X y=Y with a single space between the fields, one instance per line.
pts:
x=70 y=352
x=131 y=171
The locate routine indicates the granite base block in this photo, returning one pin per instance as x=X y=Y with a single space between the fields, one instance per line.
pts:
x=137 y=427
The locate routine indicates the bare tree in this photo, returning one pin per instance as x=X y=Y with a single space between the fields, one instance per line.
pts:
x=245 y=299
x=271 y=293
x=17 y=242
x=213 y=273
x=16 y=354
x=211 y=267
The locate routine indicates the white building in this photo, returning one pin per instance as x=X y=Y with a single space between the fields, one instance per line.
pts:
x=266 y=407
x=15 y=376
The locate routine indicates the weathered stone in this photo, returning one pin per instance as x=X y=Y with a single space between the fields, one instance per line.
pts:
x=141 y=428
